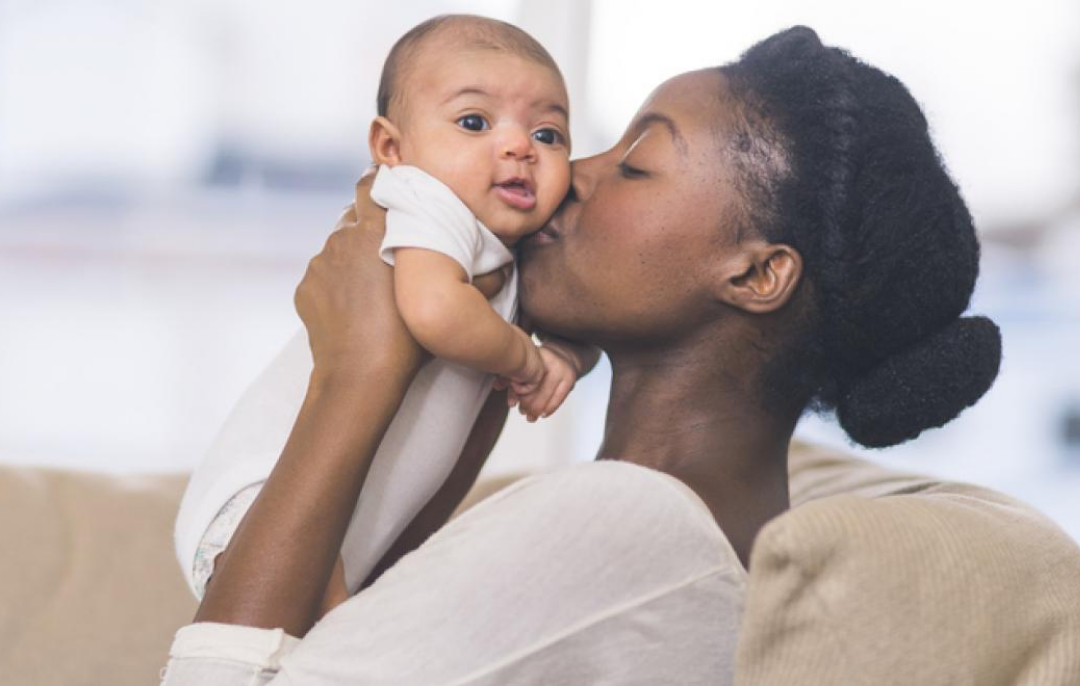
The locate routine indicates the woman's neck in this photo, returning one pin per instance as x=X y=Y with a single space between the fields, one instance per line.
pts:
x=684 y=414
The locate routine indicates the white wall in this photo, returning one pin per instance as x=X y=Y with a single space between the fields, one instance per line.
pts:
x=138 y=300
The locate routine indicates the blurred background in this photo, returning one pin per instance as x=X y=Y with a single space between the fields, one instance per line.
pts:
x=168 y=167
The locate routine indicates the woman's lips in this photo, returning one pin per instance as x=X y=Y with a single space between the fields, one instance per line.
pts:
x=516 y=194
x=547 y=234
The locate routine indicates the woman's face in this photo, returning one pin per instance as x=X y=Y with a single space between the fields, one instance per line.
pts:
x=633 y=253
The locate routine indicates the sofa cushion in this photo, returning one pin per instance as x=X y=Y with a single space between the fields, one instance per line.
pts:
x=91 y=590
x=878 y=577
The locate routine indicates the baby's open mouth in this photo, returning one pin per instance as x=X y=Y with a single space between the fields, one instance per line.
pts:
x=516 y=192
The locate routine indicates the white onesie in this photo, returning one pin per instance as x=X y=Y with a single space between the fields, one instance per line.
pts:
x=422 y=442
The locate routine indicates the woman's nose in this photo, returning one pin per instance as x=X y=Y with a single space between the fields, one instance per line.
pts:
x=583 y=177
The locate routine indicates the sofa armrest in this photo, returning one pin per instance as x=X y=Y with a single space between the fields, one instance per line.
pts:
x=91 y=588
x=941 y=584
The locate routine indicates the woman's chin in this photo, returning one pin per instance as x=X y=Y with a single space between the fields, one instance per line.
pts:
x=542 y=312
x=542 y=295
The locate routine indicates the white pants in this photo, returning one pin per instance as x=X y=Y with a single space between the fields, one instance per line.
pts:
x=599 y=573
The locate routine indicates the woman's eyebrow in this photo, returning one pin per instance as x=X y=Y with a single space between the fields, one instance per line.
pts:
x=650 y=118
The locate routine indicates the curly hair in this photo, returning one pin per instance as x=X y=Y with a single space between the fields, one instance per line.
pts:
x=834 y=158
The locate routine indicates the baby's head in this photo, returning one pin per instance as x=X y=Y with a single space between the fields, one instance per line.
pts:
x=481 y=106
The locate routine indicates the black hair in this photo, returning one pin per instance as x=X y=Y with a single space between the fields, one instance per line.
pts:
x=834 y=158
x=475 y=32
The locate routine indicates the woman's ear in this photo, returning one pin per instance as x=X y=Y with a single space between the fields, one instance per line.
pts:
x=384 y=141
x=761 y=277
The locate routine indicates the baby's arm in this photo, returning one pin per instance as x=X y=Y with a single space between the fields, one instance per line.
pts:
x=491 y=283
x=451 y=318
x=565 y=362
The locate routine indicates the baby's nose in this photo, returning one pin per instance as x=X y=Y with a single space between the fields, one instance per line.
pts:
x=517 y=145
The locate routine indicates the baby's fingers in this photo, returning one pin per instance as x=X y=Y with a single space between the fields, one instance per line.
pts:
x=522 y=389
x=562 y=389
x=536 y=404
x=531 y=407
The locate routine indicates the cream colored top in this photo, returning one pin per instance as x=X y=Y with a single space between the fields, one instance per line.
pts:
x=599 y=573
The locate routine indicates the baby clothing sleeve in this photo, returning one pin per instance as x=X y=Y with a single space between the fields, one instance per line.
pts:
x=422 y=212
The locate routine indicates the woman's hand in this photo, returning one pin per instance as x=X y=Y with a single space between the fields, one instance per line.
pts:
x=346 y=298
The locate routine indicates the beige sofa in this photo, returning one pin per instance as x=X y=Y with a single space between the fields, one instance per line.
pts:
x=874 y=577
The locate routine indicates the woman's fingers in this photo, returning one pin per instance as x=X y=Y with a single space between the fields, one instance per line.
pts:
x=346 y=298
x=369 y=214
x=369 y=174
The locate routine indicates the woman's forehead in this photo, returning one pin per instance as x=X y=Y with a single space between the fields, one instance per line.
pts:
x=695 y=109
x=688 y=93
x=695 y=101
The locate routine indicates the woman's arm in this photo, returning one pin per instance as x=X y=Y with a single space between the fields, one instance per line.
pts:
x=278 y=564
x=485 y=433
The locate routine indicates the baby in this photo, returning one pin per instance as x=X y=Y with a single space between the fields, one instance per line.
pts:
x=473 y=145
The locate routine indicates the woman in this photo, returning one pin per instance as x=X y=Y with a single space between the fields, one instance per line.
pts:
x=769 y=236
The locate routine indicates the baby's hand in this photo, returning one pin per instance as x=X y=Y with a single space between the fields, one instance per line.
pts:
x=527 y=378
x=559 y=378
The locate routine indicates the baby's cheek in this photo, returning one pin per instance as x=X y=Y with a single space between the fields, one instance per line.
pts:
x=558 y=187
x=564 y=177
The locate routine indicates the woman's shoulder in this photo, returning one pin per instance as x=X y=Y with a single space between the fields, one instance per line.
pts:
x=563 y=577
x=619 y=480
x=616 y=499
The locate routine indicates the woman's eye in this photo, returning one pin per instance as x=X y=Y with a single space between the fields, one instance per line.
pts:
x=548 y=136
x=631 y=172
x=472 y=122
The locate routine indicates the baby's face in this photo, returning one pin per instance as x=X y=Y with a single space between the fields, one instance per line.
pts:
x=493 y=127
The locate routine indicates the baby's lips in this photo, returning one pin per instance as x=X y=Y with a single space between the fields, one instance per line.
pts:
x=521 y=181
x=519 y=197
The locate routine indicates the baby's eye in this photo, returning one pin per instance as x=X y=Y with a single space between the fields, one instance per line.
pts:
x=548 y=136
x=473 y=122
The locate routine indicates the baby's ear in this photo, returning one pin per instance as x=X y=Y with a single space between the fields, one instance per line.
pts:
x=384 y=141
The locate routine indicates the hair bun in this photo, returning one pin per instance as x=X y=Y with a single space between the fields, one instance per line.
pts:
x=924 y=386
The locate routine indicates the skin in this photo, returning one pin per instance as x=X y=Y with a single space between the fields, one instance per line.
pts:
x=282 y=567
x=644 y=260
x=649 y=267
x=476 y=119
